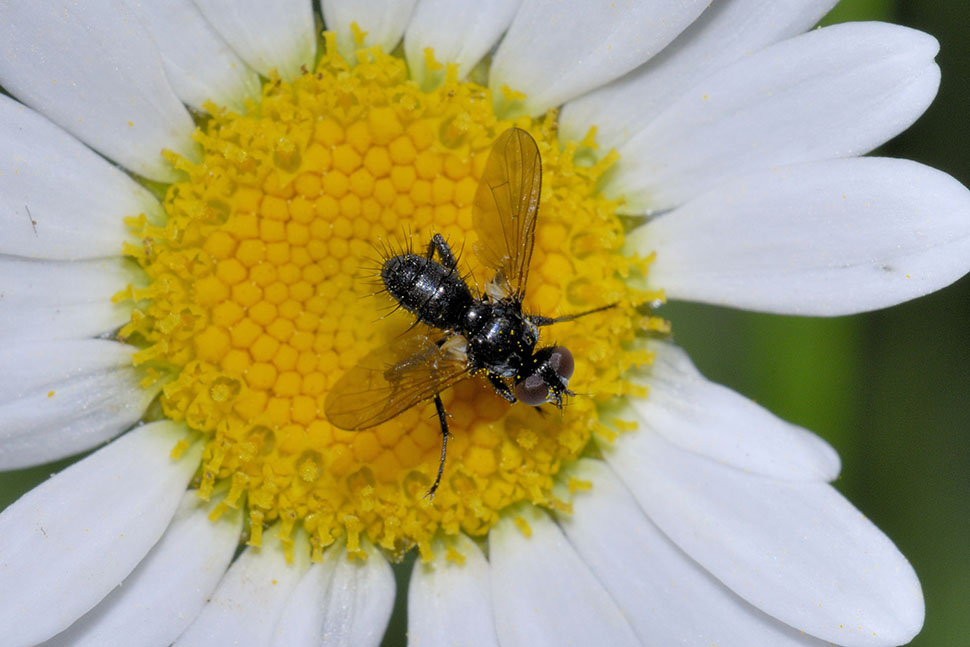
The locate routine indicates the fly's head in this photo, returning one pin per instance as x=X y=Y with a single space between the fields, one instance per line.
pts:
x=545 y=377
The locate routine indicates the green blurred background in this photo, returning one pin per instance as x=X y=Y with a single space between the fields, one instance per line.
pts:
x=890 y=390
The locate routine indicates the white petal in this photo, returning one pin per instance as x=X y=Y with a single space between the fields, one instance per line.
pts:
x=542 y=592
x=168 y=588
x=100 y=77
x=383 y=21
x=58 y=398
x=58 y=198
x=69 y=541
x=250 y=598
x=833 y=92
x=449 y=603
x=62 y=299
x=714 y=421
x=459 y=31
x=277 y=35
x=824 y=238
x=725 y=32
x=198 y=62
x=667 y=597
x=795 y=549
x=555 y=50
x=339 y=602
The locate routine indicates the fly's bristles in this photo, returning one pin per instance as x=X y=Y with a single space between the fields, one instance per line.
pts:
x=388 y=249
x=404 y=243
x=471 y=278
x=369 y=272
x=386 y=310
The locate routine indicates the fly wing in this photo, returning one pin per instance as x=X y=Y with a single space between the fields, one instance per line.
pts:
x=506 y=206
x=394 y=378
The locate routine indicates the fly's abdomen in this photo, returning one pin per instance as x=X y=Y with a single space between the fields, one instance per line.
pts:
x=434 y=293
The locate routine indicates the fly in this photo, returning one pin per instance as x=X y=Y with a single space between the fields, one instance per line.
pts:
x=465 y=333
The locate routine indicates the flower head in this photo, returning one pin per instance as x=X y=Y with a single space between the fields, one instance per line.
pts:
x=205 y=303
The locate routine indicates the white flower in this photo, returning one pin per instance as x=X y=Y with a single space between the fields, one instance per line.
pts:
x=713 y=522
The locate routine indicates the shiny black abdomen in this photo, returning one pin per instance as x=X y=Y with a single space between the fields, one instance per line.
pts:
x=500 y=338
x=435 y=294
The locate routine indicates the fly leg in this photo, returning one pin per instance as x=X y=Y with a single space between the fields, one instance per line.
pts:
x=439 y=243
x=502 y=388
x=539 y=320
x=443 y=419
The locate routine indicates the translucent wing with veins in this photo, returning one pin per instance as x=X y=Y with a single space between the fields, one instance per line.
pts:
x=506 y=206
x=393 y=378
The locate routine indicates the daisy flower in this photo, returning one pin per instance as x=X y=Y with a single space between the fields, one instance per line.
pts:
x=191 y=192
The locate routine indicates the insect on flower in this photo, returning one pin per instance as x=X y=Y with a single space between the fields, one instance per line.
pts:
x=471 y=334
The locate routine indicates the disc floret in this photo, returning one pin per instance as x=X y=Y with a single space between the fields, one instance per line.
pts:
x=258 y=302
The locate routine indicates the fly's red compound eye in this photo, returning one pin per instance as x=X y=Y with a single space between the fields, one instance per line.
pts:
x=533 y=390
x=562 y=361
x=541 y=386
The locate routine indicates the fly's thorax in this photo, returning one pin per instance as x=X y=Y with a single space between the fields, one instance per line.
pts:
x=433 y=292
x=477 y=316
x=504 y=341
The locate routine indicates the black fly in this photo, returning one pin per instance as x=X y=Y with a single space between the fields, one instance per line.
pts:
x=485 y=334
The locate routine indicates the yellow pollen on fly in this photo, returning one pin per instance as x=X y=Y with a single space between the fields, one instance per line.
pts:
x=261 y=296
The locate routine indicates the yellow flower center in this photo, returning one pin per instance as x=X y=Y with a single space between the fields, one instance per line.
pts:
x=261 y=297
